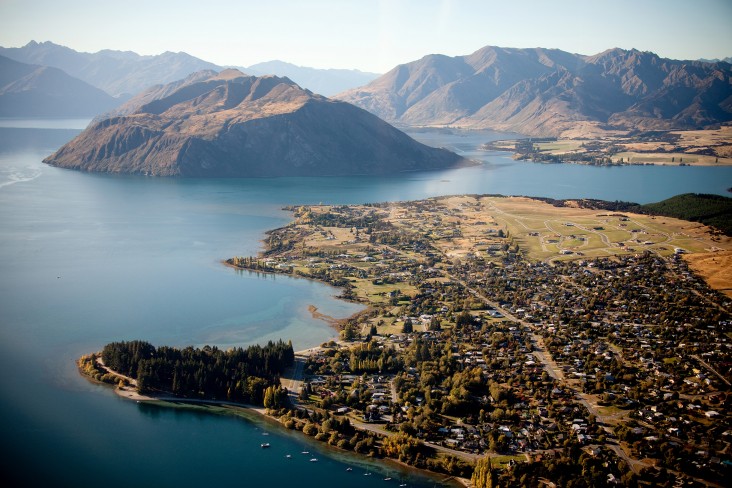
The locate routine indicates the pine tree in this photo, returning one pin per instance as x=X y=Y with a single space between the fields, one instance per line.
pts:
x=407 y=328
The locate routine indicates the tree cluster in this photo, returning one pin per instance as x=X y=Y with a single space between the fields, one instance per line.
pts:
x=237 y=374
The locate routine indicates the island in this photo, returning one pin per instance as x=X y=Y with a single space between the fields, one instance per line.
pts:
x=511 y=341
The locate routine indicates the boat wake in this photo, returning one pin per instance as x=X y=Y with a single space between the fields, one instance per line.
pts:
x=11 y=176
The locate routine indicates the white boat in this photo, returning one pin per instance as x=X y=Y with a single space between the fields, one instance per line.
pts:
x=314 y=460
x=288 y=456
x=349 y=469
x=265 y=445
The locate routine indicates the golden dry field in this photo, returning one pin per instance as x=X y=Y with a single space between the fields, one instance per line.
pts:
x=466 y=227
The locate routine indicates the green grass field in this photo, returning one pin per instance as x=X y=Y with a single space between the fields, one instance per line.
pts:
x=559 y=147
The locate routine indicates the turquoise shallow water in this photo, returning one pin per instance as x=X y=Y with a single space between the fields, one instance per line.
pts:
x=87 y=259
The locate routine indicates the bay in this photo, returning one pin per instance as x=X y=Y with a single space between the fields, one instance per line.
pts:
x=86 y=259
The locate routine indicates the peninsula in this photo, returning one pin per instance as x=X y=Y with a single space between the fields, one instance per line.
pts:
x=514 y=339
x=564 y=341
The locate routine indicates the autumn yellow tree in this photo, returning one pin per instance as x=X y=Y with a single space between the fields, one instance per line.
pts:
x=483 y=473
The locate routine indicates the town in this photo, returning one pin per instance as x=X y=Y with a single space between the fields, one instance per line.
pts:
x=509 y=328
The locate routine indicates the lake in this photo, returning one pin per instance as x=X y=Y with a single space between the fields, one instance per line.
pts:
x=86 y=259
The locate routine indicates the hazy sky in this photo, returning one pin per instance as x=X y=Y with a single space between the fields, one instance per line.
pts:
x=371 y=35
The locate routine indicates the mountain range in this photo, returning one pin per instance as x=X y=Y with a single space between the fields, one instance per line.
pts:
x=41 y=91
x=540 y=92
x=125 y=73
x=229 y=124
x=549 y=92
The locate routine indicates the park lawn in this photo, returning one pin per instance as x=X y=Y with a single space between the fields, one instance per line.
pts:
x=366 y=289
x=610 y=410
x=560 y=147
x=502 y=461
x=386 y=330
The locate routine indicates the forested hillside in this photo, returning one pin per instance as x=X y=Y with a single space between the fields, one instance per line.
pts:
x=714 y=210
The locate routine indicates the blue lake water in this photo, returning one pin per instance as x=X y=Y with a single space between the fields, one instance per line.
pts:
x=86 y=259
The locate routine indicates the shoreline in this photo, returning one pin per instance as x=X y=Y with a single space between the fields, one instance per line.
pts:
x=696 y=164
x=667 y=147
x=253 y=411
x=167 y=400
x=335 y=323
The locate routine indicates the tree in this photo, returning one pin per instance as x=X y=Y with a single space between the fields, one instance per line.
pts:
x=310 y=429
x=349 y=333
x=435 y=324
x=274 y=397
x=463 y=319
x=483 y=473
x=407 y=328
x=401 y=446
x=306 y=391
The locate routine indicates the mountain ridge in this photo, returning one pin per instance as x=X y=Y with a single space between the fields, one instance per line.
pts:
x=549 y=92
x=116 y=72
x=126 y=73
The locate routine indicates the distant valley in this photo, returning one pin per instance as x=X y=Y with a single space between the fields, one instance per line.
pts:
x=548 y=92
x=321 y=81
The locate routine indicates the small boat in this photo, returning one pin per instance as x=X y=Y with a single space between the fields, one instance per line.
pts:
x=265 y=433
x=367 y=474
x=403 y=484
x=387 y=479
x=349 y=469
x=265 y=445
x=288 y=456
x=314 y=460
x=305 y=452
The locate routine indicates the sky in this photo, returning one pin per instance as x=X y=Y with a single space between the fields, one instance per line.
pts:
x=370 y=35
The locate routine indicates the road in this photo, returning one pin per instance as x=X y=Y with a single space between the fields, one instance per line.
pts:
x=710 y=368
x=379 y=429
x=557 y=373
x=294 y=382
